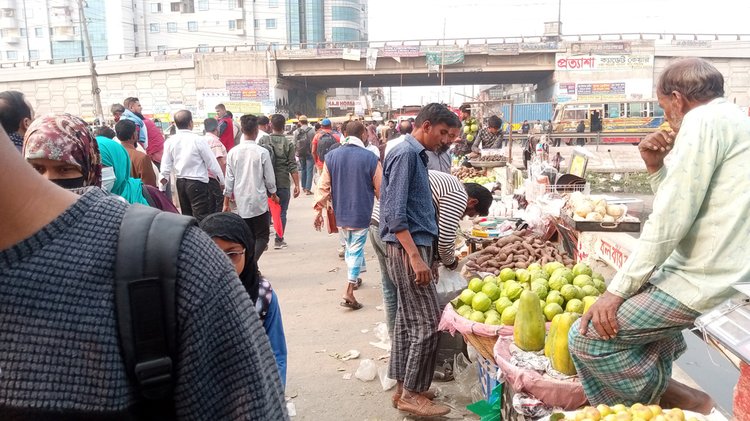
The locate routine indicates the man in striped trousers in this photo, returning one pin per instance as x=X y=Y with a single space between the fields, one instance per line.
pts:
x=408 y=226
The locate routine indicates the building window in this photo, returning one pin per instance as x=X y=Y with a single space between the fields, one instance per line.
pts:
x=39 y=32
x=273 y=3
x=11 y=55
x=135 y=28
x=202 y=5
x=171 y=27
x=257 y=23
x=23 y=32
x=153 y=27
x=192 y=26
x=240 y=4
x=232 y=25
x=188 y=6
x=349 y=14
x=175 y=6
x=9 y=13
x=155 y=7
x=33 y=54
x=203 y=48
x=344 y=34
x=29 y=13
x=161 y=48
x=75 y=30
x=241 y=24
x=270 y=23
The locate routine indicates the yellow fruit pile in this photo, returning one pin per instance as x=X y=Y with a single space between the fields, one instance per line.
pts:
x=637 y=412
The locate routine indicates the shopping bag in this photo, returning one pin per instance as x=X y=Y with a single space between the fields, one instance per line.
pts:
x=275 y=209
x=330 y=217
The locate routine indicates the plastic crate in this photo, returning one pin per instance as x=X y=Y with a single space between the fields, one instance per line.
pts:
x=488 y=373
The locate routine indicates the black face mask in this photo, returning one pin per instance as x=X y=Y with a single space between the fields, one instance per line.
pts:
x=69 y=183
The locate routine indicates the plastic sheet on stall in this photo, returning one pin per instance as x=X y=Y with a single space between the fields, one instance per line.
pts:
x=530 y=406
x=566 y=393
x=525 y=359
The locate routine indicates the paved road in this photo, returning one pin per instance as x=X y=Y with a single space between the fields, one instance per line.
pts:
x=309 y=279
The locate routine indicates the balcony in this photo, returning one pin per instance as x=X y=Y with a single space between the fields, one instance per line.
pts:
x=10 y=36
x=63 y=33
x=8 y=22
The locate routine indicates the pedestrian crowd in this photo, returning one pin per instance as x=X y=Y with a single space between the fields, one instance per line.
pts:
x=198 y=333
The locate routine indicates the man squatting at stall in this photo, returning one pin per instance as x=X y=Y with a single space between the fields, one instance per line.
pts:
x=692 y=249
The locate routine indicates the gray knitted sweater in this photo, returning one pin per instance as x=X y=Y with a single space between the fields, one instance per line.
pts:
x=59 y=347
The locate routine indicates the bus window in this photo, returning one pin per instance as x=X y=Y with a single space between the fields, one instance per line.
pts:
x=658 y=111
x=637 y=109
x=613 y=110
x=574 y=114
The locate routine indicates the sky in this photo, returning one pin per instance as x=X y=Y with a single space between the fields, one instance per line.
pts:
x=435 y=19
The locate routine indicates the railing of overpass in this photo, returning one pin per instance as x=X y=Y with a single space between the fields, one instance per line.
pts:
x=282 y=49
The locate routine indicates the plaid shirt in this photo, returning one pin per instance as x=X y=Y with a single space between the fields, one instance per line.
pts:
x=487 y=140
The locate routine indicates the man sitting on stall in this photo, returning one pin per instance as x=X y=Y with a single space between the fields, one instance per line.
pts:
x=692 y=249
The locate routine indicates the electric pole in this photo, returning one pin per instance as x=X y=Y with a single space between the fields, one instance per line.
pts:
x=92 y=66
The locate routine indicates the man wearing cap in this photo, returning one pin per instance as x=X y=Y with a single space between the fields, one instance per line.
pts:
x=325 y=130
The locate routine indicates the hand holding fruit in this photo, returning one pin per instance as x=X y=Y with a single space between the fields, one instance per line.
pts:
x=654 y=148
x=603 y=314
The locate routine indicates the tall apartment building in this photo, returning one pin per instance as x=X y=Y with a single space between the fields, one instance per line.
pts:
x=312 y=22
x=52 y=29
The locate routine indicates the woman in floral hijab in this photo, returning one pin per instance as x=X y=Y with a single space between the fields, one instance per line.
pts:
x=63 y=150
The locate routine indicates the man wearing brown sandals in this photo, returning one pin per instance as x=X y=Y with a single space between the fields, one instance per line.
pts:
x=409 y=229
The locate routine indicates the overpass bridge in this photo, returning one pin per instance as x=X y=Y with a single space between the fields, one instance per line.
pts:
x=264 y=79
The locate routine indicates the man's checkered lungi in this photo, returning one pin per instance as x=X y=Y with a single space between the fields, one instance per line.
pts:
x=415 y=334
x=636 y=365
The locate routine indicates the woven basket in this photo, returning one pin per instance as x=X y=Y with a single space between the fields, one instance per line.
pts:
x=485 y=345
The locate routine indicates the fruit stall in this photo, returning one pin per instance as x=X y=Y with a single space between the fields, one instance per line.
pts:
x=533 y=267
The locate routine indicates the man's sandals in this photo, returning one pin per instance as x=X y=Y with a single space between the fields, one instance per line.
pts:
x=422 y=406
x=430 y=394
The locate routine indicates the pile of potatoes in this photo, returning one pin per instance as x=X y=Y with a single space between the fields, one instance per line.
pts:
x=465 y=172
x=587 y=208
x=516 y=251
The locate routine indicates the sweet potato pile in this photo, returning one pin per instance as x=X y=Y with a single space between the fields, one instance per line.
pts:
x=516 y=251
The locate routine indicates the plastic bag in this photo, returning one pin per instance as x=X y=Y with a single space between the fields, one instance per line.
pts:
x=366 y=371
x=466 y=376
x=385 y=381
x=450 y=284
x=384 y=341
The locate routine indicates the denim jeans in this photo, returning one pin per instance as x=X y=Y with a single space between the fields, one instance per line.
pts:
x=306 y=168
x=390 y=300
x=284 y=194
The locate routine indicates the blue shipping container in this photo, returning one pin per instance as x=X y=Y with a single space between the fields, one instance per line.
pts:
x=541 y=111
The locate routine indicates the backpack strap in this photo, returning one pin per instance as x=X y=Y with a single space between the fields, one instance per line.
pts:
x=145 y=277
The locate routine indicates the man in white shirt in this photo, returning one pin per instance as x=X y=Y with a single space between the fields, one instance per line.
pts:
x=190 y=157
x=264 y=127
x=405 y=128
x=250 y=181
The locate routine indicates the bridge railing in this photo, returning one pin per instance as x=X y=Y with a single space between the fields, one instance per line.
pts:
x=457 y=42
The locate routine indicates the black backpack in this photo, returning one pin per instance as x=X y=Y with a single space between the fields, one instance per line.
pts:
x=302 y=142
x=326 y=143
x=145 y=277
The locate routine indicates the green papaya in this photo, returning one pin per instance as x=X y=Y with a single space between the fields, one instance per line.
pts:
x=558 y=343
x=529 y=326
